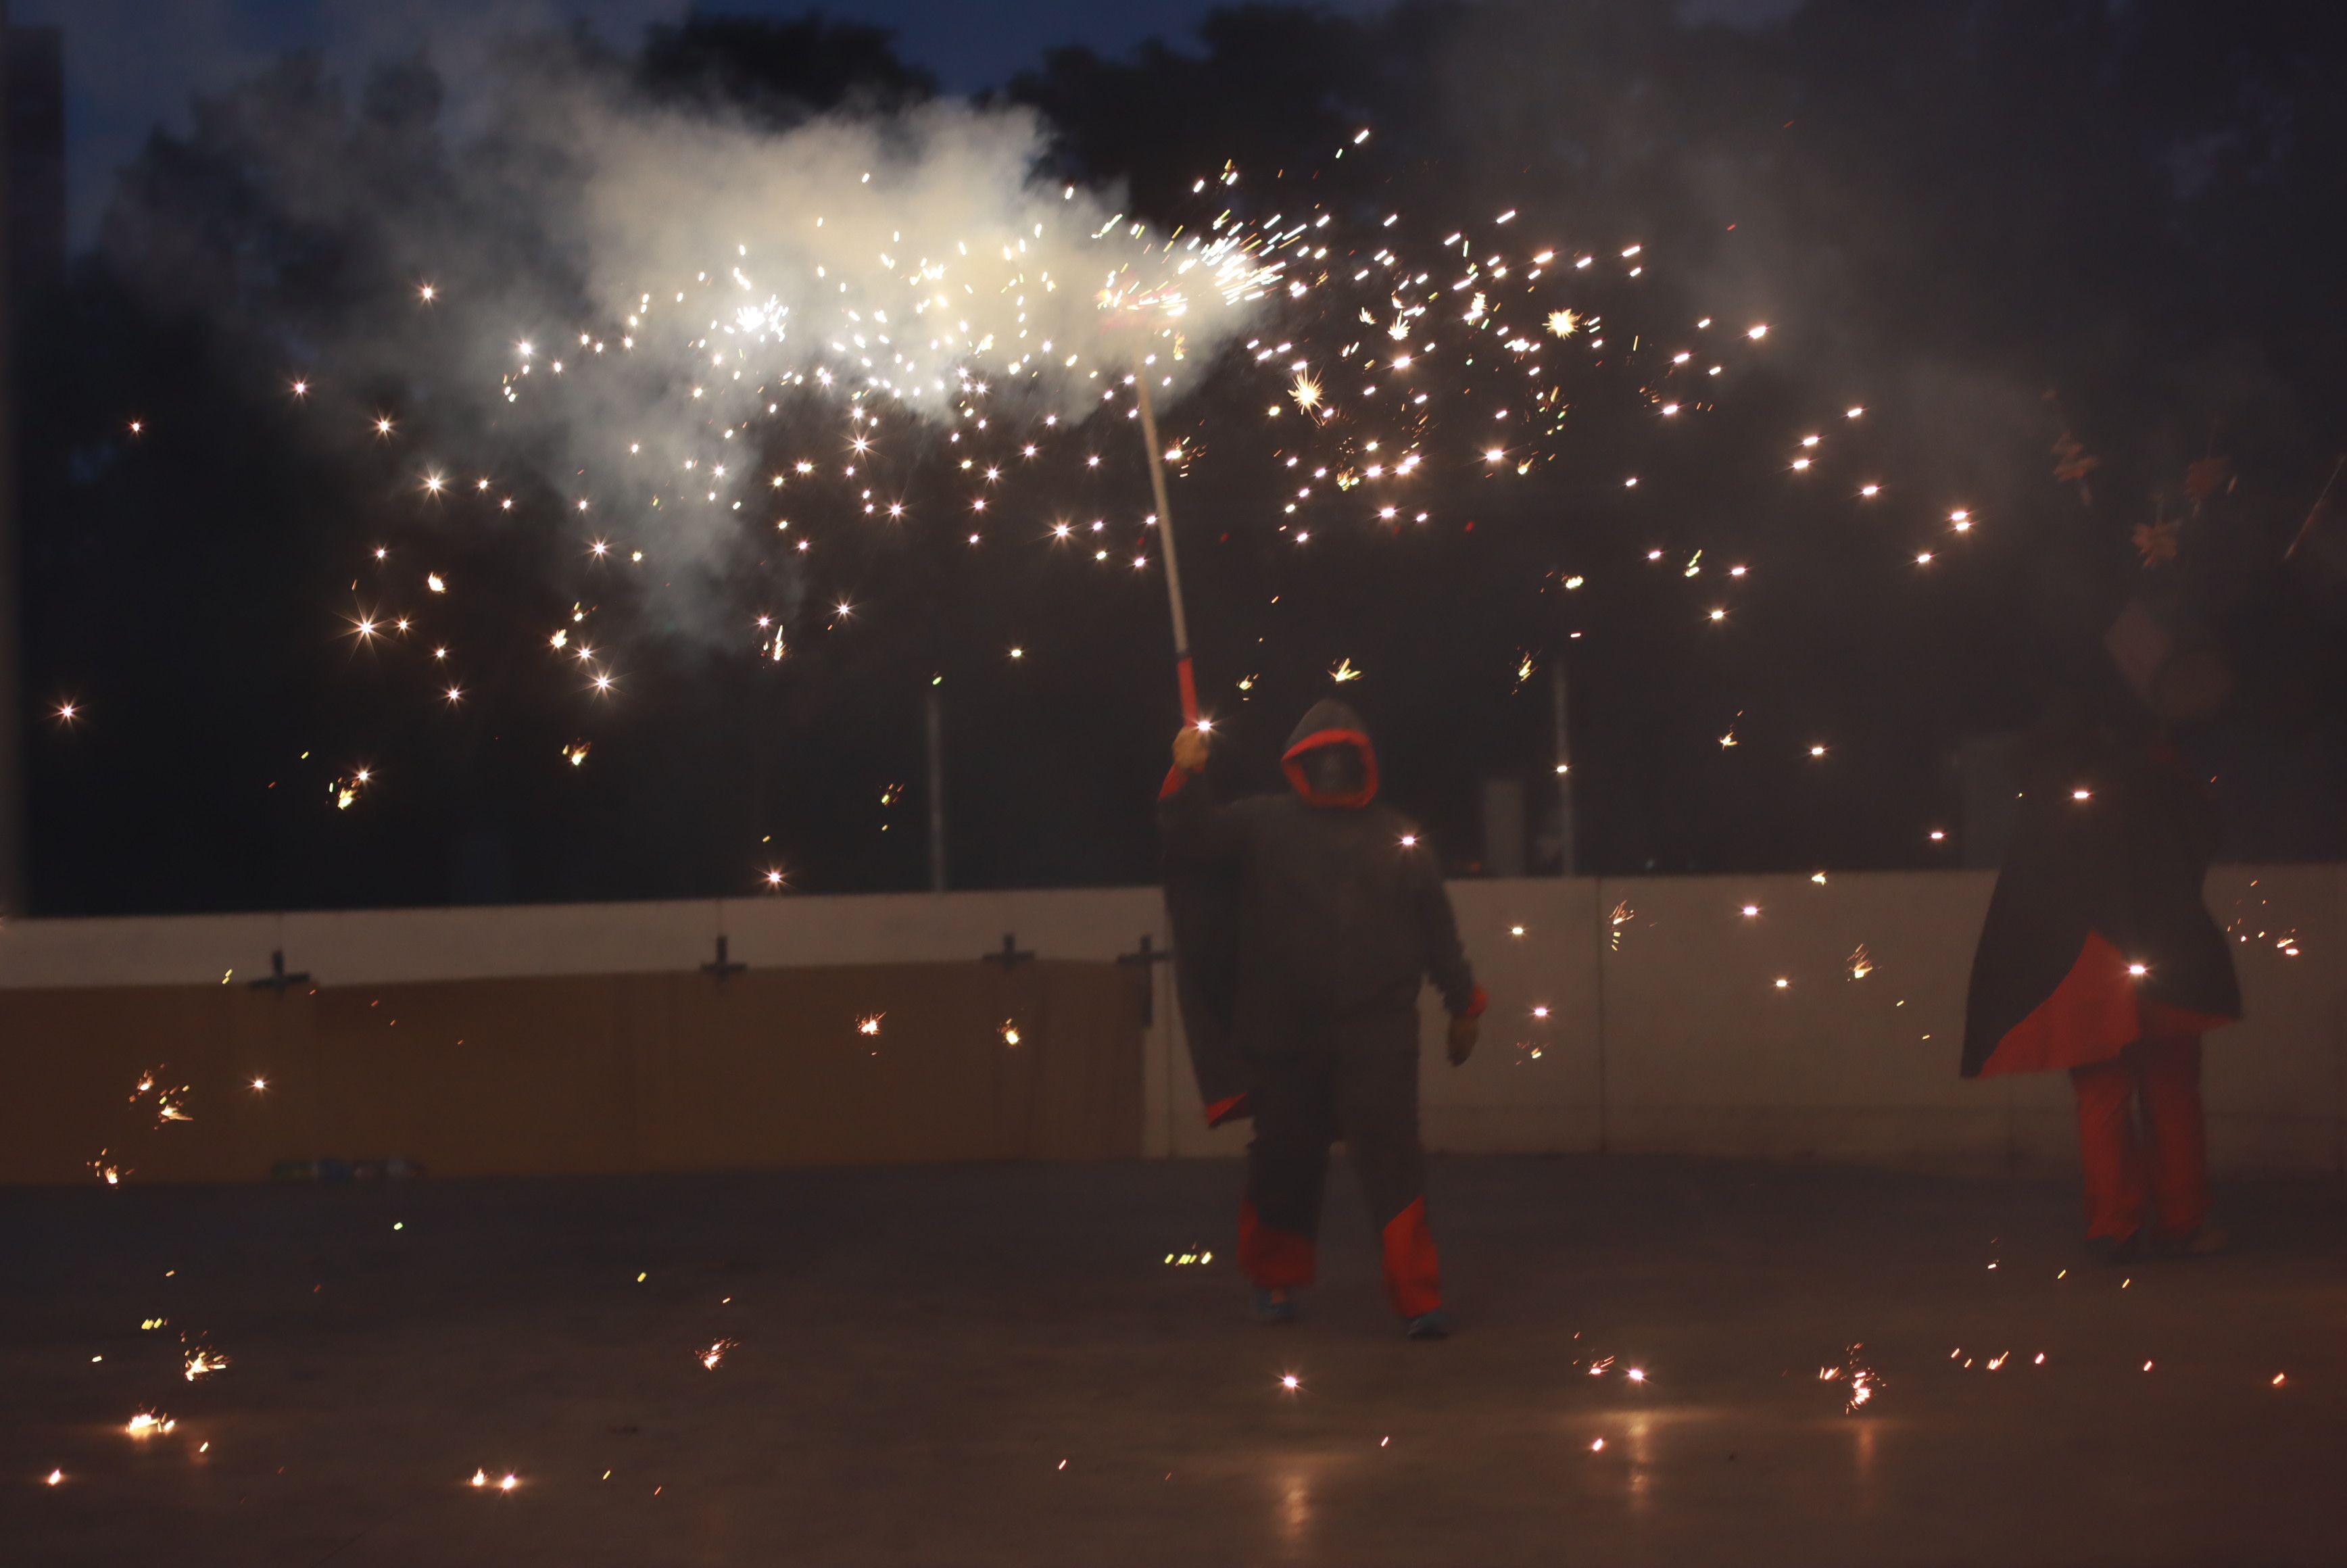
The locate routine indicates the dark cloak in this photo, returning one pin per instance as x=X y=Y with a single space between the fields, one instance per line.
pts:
x=2098 y=933
x=1295 y=912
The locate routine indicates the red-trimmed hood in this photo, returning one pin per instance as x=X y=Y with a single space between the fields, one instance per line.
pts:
x=1330 y=723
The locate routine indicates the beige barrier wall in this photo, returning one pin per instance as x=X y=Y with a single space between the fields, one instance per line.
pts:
x=1640 y=1014
x=581 y=1073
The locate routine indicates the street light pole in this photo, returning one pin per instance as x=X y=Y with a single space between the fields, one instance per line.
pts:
x=1568 y=862
x=937 y=724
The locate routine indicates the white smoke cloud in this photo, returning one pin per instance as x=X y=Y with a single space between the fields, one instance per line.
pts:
x=642 y=306
x=894 y=255
x=913 y=263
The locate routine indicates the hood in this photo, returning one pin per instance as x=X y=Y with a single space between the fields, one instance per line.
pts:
x=1331 y=724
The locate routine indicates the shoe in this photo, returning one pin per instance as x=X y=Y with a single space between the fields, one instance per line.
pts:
x=2204 y=1240
x=1274 y=1305
x=2116 y=1251
x=1434 y=1324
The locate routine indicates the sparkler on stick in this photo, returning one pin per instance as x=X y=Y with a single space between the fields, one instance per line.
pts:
x=1182 y=669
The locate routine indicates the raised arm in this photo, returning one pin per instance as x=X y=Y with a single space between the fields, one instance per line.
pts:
x=1197 y=826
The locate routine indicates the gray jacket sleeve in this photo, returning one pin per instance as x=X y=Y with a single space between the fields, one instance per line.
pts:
x=1446 y=958
x=1198 y=826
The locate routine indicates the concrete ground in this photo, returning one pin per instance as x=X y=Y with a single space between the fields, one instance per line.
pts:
x=996 y=1365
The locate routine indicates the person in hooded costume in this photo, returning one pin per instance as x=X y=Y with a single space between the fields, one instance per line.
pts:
x=2099 y=956
x=1333 y=913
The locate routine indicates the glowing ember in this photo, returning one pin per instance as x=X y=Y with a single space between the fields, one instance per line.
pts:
x=1859 y=1382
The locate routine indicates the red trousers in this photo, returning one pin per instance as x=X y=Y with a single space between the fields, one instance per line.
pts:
x=2164 y=1074
x=1366 y=1091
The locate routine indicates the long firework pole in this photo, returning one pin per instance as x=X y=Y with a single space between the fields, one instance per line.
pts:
x=1166 y=542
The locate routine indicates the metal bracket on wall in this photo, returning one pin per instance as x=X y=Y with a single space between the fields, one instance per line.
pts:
x=277 y=979
x=724 y=964
x=1149 y=953
x=1010 y=957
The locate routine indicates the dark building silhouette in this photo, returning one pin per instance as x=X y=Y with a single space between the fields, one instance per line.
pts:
x=33 y=136
x=36 y=160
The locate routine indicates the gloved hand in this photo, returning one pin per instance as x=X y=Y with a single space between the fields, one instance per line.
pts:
x=1461 y=1041
x=1190 y=749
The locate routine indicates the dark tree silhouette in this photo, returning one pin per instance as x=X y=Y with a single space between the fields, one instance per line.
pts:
x=1952 y=211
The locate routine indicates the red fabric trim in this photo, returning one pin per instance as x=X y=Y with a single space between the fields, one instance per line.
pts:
x=1291 y=763
x=1274 y=1259
x=1412 y=1278
x=1222 y=1111
x=2093 y=1014
x=1174 y=779
x=1476 y=1005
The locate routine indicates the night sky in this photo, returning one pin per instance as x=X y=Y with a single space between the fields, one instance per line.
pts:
x=133 y=63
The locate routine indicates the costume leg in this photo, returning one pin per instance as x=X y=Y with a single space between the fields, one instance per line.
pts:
x=2167 y=1072
x=1377 y=1106
x=1288 y=1166
x=2108 y=1148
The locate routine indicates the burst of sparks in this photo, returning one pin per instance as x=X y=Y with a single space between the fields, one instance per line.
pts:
x=1860 y=1383
x=1353 y=330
